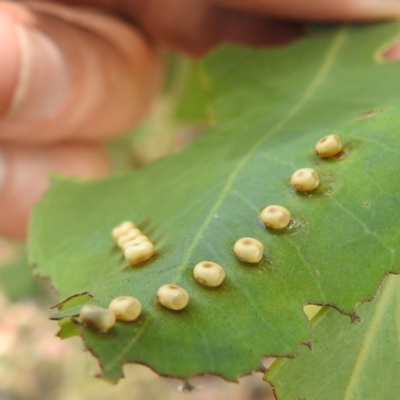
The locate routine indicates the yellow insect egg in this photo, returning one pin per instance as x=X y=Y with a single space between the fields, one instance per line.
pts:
x=139 y=252
x=133 y=242
x=99 y=318
x=173 y=297
x=130 y=235
x=209 y=273
x=121 y=230
x=249 y=250
x=305 y=179
x=275 y=217
x=329 y=146
x=126 y=308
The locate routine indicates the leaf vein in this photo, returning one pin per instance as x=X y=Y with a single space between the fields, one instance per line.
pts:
x=369 y=337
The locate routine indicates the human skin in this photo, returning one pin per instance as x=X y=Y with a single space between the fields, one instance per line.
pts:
x=76 y=73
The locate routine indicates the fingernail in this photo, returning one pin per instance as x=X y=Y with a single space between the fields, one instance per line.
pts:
x=42 y=83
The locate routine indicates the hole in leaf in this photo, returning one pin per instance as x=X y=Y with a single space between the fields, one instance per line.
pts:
x=311 y=310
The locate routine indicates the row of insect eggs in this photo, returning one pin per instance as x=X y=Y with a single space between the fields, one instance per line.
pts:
x=138 y=248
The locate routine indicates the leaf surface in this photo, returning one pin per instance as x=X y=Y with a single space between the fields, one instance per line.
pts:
x=16 y=279
x=358 y=361
x=269 y=109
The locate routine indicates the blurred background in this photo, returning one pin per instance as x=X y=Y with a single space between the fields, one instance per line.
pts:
x=37 y=365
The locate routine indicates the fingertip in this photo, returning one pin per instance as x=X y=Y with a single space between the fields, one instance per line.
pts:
x=24 y=177
x=79 y=75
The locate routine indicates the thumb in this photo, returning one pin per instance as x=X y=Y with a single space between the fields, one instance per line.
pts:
x=71 y=74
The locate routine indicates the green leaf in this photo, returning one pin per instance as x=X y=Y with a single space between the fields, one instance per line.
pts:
x=358 y=361
x=16 y=279
x=67 y=328
x=178 y=116
x=271 y=108
x=187 y=93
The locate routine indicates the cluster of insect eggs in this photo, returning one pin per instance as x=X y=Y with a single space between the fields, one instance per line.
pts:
x=127 y=308
x=138 y=249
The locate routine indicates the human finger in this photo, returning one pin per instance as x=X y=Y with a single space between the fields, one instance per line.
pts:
x=326 y=10
x=196 y=26
x=81 y=74
x=24 y=177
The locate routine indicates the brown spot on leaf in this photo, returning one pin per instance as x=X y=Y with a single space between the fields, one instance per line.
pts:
x=370 y=113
